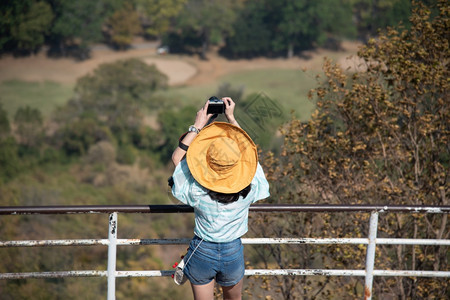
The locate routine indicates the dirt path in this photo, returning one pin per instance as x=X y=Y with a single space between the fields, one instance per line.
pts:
x=66 y=70
x=189 y=70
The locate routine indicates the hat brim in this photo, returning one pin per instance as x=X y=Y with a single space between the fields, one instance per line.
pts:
x=239 y=176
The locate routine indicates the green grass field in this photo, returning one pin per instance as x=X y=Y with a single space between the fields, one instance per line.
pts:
x=45 y=96
x=286 y=87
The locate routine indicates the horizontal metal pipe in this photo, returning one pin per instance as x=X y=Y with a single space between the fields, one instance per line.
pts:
x=46 y=243
x=329 y=272
x=153 y=273
x=423 y=242
x=297 y=272
x=247 y=241
x=135 y=242
x=358 y=241
x=300 y=272
x=410 y=273
x=91 y=209
x=248 y=272
x=53 y=274
x=264 y=241
x=86 y=209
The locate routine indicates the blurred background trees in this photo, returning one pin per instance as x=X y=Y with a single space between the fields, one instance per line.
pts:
x=123 y=26
x=77 y=25
x=24 y=25
x=157 y=15
x=110 y=105
x=242 y=28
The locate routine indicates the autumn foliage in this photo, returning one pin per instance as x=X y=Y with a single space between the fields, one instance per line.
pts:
x=380 y=135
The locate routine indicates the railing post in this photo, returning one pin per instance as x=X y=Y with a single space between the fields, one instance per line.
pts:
x=112 y=251
x=370 y=255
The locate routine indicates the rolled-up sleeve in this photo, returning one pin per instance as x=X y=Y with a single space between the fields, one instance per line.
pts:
x=260 y=185
x=183 y=180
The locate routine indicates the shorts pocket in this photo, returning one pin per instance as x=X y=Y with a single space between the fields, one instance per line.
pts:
x=231 y=272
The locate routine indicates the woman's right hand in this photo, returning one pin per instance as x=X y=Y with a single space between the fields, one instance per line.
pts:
x=202 y=117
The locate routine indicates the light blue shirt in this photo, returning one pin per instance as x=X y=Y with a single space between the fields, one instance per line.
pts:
x=215 y=221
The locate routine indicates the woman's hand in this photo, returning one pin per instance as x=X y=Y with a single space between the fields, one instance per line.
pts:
x=202 y=117
x=229 y=110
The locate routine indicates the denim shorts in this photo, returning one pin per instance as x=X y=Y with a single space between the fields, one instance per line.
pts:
x=223 y=262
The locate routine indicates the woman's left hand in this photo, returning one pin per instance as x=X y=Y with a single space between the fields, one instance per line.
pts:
x=229 y=108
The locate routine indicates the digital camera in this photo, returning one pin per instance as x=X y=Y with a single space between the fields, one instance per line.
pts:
x=215 y=106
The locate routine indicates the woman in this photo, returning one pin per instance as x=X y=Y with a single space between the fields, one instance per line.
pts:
x=217 y=172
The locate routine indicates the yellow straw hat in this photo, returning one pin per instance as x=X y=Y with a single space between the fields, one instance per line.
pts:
x=222 y=158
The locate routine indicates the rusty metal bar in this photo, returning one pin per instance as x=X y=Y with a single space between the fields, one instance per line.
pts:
x=248 y=272
x=322 y=241
x=336 y=272
x=152 y=273
x=92 y=209
x=354 y=241
x=112 y=256
x=84 y=209
x=62 y=274
x=370 y=255
x=48 y=243
x=245 y=241
x=301 y=272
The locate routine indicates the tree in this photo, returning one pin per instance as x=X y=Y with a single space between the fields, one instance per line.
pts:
x=252 y=34
x=300 y=22
x=158 y=14
x=123 y=25
x=9 y=160
x=307 y=24
x=372 y=15
x=77 y=136
x=209 y=20
x=173 y=125
x=378 y=135
x=24 y=24
x=270 y=27
x=5 y=127
x=115 y=95
x=29 y=126
x=78 y=24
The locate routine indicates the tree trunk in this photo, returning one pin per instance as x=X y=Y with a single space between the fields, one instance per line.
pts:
x=205 y=45
x=290 y=52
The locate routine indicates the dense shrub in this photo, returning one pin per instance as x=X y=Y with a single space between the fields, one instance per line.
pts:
x=75 y=138
x=380 y=135
x=10 y=164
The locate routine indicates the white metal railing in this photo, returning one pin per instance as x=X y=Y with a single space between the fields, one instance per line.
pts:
x=112 y=242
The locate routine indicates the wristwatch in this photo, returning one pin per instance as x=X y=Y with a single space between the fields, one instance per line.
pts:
x=192 y=128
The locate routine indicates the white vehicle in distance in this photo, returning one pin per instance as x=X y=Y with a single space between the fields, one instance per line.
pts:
x=162 y=50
